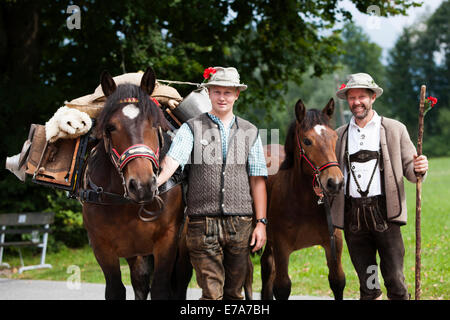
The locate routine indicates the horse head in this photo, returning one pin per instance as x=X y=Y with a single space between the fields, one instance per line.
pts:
x=131 y=126
x=315 y=142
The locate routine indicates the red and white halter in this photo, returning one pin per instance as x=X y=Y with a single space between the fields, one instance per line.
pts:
x=133 y=152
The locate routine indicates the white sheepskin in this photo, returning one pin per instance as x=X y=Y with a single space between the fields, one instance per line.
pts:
x=67 y=123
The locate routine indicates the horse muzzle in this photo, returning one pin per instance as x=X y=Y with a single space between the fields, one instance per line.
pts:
x=332 y=180
x=142 y=192
x=333 y=186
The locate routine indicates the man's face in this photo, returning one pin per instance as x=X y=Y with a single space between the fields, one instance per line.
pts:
x=223 y=98
x=360 y=102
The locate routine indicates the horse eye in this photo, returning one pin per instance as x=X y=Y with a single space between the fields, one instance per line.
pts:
x=110 y=128
x=307 y=142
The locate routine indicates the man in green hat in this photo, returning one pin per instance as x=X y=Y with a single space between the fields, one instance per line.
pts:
x=226 y=184
x=375 y=153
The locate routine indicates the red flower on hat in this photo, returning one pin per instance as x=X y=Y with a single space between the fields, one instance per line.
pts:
x=208 y=71
x=342 y=86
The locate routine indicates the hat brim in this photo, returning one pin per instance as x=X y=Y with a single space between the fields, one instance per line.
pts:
x=341 y=94
x=241 y=87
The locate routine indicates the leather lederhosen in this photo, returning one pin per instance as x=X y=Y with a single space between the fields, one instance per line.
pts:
x=367 y=232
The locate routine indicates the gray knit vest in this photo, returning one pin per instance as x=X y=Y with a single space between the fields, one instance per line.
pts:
x=217 y=188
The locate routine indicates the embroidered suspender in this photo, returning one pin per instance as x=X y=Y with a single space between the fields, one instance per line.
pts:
x=360 y=157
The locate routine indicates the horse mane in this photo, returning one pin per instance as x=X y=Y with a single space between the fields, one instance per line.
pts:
x=147 y=107
x=312 y=117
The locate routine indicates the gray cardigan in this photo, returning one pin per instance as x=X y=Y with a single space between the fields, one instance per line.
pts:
x=398 y=160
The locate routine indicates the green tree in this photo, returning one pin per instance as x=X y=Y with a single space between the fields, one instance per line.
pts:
x=402 y=97
x=358 y=54
x=43 y=63
x=362 y=55
x=422 y=56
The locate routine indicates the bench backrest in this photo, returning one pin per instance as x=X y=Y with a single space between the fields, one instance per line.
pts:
x=26 y=219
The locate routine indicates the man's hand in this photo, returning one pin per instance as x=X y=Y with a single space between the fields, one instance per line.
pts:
x=258 y=237
x=168 y=168
x=420 y=164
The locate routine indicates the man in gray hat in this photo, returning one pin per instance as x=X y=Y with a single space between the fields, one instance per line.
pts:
x=226 y=184
x=374 y=153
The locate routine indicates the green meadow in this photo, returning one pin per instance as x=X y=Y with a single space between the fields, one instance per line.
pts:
x=307 y=268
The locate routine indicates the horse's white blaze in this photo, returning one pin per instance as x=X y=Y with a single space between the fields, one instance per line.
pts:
x=131 y=111
x=319 y=128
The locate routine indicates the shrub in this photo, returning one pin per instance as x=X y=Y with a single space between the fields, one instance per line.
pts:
x=68 y=226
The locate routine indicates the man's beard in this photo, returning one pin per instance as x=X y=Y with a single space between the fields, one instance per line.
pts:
x=362 y=115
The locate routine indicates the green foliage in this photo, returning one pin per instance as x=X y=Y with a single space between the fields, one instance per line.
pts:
x=358 y=54
x=421 y=56
x=68 y=226
x=43 y=63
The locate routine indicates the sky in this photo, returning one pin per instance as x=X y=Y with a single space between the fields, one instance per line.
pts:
x=385 y=31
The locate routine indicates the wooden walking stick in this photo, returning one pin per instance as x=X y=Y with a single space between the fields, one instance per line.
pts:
x=419 y=193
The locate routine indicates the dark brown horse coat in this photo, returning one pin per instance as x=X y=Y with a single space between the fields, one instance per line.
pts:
x=296 y=221
x=117 y=230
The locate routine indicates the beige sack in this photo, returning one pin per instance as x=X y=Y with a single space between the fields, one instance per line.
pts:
x=93 y=103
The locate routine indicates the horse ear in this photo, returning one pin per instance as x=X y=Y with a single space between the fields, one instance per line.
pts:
x=329 y=108
x=108 y=84
x=148 y=81
x=300 y=111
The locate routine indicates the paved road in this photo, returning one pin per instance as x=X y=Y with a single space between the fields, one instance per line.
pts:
x=60 y=290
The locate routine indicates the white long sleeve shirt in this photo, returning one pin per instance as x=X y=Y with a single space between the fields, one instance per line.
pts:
x=367 y=138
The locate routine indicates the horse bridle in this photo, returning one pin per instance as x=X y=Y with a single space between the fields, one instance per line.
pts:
x=323 y=199
x=316 y=170
x=134 y=152
x=120 y=161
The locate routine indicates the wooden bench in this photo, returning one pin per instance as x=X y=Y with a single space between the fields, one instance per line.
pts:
x=34 y=223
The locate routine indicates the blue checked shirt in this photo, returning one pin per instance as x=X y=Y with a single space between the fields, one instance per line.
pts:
x=183 y=143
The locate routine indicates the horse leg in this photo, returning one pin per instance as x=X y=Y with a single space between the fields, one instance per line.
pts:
x=115 y=290
x=336 y=276
x=282 y=283
x=182 y=274
x=267 y=273
x=140 y=276
x=248 y=290
x=164 y=264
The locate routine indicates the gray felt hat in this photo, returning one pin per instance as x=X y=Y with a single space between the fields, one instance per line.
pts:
x=359 y=80
x=225 y=77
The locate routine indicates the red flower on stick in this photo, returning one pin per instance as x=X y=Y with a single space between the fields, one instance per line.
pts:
x=429 y=103
x=208 y=71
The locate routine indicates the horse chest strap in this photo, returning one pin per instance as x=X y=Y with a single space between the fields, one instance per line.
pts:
x=97 y=195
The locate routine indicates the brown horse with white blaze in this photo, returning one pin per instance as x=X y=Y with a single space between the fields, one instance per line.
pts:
x=127 y=217
x=296 y=220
